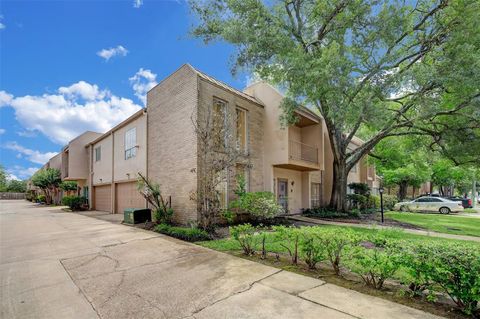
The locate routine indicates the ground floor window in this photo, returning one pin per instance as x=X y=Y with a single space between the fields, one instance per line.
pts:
x=316 y=195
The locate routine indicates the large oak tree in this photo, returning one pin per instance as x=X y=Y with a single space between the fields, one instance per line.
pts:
x=390 y=68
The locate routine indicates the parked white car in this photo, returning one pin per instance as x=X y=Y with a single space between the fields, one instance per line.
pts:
x=430 y=204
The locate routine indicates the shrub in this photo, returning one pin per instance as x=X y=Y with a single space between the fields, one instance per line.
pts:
x=41 y=198
x=373 y=201
x=335 y=242
x=289 y=239
x=261 y=205
x=184 y=233
x=375 y=265
x=163 y=216
x=418 y=267
x=324 y=213
x=73 y=202
x=30 y=196
x=360 y=188
x=389 y=201
x=357 y=201
x=245 y=235
x=312 y=251
x=456 y=270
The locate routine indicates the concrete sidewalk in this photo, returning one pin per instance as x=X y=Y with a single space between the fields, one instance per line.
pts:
x=65 y=265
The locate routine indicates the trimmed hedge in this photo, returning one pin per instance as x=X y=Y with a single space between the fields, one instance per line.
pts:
x=184 y=233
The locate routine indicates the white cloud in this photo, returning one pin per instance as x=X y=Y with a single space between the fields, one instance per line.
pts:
x=142 y=82
x=26 y=133
x=2 y=131
x=111 y=52
x=12 y=177
x=2 y=25
x=74 y=110
x=137 y=3
x=18 y=172
x=5 y=98
x=32 y=155
x=83 y=90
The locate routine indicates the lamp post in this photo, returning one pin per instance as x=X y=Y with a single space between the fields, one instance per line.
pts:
x=381 y=201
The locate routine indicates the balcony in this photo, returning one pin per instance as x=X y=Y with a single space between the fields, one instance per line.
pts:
x=299 y=151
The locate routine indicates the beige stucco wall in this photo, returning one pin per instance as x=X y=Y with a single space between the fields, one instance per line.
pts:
x=102 y=169
x=128 y=169
x=78 y=156
x=172 y=144
x=295 y=199
x=275 y=137
x=56 y=161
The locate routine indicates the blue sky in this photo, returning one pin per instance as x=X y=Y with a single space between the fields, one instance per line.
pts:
x=69 y=66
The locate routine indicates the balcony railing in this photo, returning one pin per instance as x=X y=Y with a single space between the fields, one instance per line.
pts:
x=303 y=152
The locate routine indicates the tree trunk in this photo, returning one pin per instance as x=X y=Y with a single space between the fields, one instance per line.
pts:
x=338 y=201
x=402 y=190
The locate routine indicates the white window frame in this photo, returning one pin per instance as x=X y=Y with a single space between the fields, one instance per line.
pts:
x=130 y=143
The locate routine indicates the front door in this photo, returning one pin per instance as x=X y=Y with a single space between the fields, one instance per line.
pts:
x=282 y=193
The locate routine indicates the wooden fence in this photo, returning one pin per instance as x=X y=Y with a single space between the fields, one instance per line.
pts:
x=8 y=195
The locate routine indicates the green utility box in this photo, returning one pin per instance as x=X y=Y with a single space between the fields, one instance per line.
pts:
x=136 y=215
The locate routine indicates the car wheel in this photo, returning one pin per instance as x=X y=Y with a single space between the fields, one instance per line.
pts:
x=444 y=210
x=403 y=209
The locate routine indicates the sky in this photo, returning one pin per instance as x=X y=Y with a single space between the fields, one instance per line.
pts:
x=71 y=66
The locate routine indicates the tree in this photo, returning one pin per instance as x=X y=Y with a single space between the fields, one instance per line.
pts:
x=68 y=186
x=48 y=181
x=393 y=68
x=446 y=175
x=217 y=156
x=17 y=186
x=403 y=162
x=3 y=179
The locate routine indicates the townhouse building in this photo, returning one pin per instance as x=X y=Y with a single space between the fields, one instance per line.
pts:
x=115 y=158
x=161 y=142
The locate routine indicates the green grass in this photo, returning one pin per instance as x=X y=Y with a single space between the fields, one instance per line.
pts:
x=272 y=244
x=470 y=211
x=448 y=224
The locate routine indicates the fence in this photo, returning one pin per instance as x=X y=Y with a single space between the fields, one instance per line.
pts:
x=8 y=195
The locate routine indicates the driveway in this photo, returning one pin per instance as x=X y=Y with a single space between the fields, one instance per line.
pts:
x=66 y=265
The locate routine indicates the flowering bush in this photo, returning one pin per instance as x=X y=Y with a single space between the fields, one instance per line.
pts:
x=261 y=205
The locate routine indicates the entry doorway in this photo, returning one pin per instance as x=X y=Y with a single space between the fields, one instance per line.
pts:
x=282 y=193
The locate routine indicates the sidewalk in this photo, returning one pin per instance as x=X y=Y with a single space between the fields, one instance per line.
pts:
x=411 y=231
x=58 y=264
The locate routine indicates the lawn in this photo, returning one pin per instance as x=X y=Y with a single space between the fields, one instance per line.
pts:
x=228 y=244
x=448 y=224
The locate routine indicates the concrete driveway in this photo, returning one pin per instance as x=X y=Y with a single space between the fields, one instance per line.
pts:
x=66 y=265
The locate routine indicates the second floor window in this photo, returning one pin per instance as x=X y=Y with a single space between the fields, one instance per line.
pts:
x=98 y=153
x=241 y=139
x=219 y=132
x=130 y=143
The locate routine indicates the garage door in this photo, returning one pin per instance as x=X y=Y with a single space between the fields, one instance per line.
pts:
x=103 y=198
x=127 y=196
